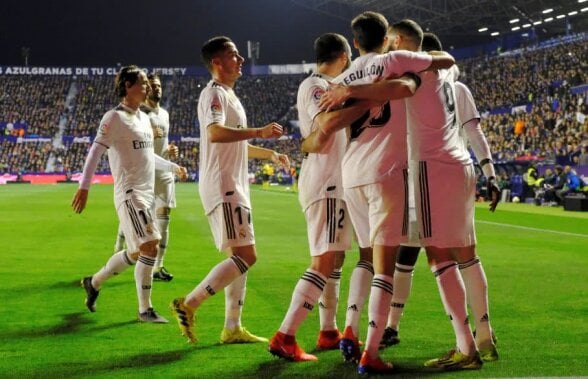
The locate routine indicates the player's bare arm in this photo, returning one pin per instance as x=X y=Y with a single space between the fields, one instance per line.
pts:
x=172 y=151
x=218 y=133
x=382 y=91
x=256 y=152
x=327 y=123
x=157 y=132
x=79 y=200
x=182 y=173
x=441 y=60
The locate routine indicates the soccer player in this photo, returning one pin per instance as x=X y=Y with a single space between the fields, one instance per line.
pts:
x=126 y=133
x=469 y=264
x=321 y=197
x=165 y=198
x=444 y=215
x=373 y=167
x=224 y=190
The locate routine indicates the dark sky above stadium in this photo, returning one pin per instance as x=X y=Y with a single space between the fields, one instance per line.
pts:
x=155 y=32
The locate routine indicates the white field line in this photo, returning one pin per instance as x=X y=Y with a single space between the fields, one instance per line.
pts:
x=533 y=229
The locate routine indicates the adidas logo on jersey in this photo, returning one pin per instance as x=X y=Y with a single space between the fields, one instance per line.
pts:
x=352 y=307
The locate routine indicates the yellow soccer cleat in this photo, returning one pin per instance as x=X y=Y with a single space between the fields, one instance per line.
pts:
x=240 y=335
x=455 y=360
x=489 y=354
x=186 y=318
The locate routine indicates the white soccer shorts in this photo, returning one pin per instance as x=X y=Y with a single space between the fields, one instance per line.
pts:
x=231 y=226
x=328 y=226
x=165 y=194
x=137 y=224
x=379 y=211
x=445 y=196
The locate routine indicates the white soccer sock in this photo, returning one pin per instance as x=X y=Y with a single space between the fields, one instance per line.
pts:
x=163 y=226
x=379 y=304
x=217 y=279
x=143 y=281
x=476 y=286
x=359 y=288
x=329 y=300
x=234 y=300
x=402 y=286
x=305 y=295
x=453 y=296
x=119 y=244
x=116 y=264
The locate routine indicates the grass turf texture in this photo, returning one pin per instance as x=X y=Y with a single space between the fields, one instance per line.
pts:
x=536 y=260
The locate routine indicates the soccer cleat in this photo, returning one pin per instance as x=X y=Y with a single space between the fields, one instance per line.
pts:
x=455 y=360
x=489 y=354
x=162 y=274
x=329 y=339
x=369 y=365
x=349 y=346
x=91 y=293
x=239 y=335
x=389 y=338
x=185 y=317
x=285 y=346
x=494 y=339
x=151 y=316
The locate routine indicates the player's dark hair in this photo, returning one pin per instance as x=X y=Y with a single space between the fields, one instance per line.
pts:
x=431 y=42
x=369 y=29
x=211 y=48
x=153 y=76
x=126 y=74
x=329 y=47
x=409 y=29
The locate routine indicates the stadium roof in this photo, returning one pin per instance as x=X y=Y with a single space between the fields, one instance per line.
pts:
x=457 y=22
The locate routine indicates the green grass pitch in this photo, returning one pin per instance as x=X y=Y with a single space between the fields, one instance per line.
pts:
x=536 y=260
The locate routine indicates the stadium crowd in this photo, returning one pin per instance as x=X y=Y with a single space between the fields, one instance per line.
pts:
x=553 y=129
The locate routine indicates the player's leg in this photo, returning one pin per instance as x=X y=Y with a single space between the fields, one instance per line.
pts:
x=164 y=202
x=144 y=281
x=304 y=297
x=443 y=226
x=476 y=285
x=119 y=244
x=329 y=234
x=162 y=215
x=233 y=231
x=361 y=276
x=117 y=263
x=388 y=215
x=329 y=335
x=405 y=262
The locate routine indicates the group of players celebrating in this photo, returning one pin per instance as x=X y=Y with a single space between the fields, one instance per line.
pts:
x=385 y=138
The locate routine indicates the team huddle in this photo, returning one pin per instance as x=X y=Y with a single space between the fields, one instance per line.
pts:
x=385 y=138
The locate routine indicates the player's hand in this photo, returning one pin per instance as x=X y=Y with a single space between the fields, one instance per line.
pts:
x=334 y=97
x=280 y=159
x=157 y=132
x=172 y=151
x=79 y=200
x=493 y=193
x=182 y=173
x=271 y=130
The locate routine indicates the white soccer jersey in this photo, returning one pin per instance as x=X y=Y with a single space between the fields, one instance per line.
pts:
x=466 y=109
x=223 y=166
x=320 y=174
x=433 y=121
x=378 y=138
x=159 y=118
x=129 y=138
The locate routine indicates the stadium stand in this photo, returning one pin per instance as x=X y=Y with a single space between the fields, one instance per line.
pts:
x=533 y=101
